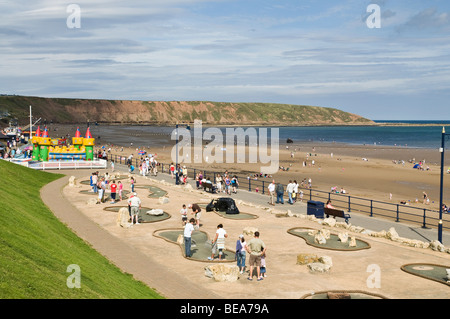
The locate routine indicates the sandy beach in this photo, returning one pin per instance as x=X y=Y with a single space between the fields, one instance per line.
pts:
x=366 y=171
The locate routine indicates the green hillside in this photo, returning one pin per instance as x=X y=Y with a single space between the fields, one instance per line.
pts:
x=63 y=110
x=36 y=248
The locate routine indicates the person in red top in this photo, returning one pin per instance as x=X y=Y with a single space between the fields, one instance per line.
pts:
x=113 y=188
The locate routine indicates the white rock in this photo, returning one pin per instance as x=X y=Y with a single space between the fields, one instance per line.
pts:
x=222 y=272
x=437 y=246
x=320 y=239
x=326 y=260
x=343 y=237
x=318 y=267
x=329 y=222
x=155 y=212
x=123 y=217
x=352 y=242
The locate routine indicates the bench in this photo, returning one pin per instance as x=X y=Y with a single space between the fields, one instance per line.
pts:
x=336 y=213
x=209 y=186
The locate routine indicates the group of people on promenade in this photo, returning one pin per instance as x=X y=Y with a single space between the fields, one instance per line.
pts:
x=278 y=190
x=256 y=248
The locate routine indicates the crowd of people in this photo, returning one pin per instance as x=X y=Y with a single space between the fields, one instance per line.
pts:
x=255 y=247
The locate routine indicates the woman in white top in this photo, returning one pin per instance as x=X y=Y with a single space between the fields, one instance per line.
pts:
x=221 y=234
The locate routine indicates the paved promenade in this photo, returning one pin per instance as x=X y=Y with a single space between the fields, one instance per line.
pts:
x=160 y=265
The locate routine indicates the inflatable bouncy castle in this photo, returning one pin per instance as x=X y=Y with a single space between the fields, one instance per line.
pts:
x=47 y=149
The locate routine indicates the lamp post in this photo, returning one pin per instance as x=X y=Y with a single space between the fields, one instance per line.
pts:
x=441 y=201
x=177 y=177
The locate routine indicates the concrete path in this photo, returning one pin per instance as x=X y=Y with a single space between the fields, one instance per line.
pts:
x=127 y=258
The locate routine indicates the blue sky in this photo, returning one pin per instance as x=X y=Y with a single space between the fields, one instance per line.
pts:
x=300 y=52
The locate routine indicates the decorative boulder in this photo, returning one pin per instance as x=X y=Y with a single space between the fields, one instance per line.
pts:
x=437 y=246
x=318 y=267
x=343 y=237
x=123 y=218
x=304 y=259
x=320 y=239
x=352 y=242
x=155 y=212
x=73 y=182
x=329 y=222
x=222 y=272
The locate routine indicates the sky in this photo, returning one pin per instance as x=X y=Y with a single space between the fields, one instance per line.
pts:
x=384 y=60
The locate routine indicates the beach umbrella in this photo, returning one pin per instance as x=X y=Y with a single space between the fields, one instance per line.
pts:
x=416 y=166
x=141 y=152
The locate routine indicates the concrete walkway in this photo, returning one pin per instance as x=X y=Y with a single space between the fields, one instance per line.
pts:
x=124 y=256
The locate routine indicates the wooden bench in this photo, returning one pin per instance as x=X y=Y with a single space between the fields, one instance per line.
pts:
x=209 y=186
x=336 y=213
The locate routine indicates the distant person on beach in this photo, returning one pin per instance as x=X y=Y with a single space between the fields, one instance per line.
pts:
x=255 y=248
x=188 y=230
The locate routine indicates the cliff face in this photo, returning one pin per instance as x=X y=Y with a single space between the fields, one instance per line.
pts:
x=159 y=112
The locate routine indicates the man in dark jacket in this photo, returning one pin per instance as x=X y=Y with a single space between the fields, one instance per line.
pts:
x=280 y=191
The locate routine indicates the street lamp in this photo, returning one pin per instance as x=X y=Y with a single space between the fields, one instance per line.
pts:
x=441 y=203
x=177 y=177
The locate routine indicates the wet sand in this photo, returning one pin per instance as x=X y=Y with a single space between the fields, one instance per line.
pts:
x=335 y=165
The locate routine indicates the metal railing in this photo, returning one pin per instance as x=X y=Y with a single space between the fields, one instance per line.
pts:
x=425 y=217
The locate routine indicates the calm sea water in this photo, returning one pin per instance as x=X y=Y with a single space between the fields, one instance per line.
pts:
x=405 y=136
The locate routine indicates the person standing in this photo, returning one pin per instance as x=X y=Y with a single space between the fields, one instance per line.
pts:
x=256 y=248
x=120 y=188
x=183 y=213
x=188 y=230
x=135 y=206
x=271 y=189
x=197 y=211
x=290 y=190
x=132 y=181
x=95 y=182
x=240 y=253
x=295 y=193
x=113 y=188
x=280 y=191
x=221 y=234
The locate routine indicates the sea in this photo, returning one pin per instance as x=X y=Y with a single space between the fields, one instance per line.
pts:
x=412 y=134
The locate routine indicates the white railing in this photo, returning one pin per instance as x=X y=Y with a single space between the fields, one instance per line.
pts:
x=75 y=164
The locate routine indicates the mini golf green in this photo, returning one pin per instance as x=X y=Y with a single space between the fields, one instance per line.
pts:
x=155 y=192
x=142 y=217
x=428 y=271
x=332 y=244
x=200 y=248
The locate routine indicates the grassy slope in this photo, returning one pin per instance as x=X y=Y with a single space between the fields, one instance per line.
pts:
x=36 y=248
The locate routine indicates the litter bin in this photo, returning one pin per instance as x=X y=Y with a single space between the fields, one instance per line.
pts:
x=316 y=209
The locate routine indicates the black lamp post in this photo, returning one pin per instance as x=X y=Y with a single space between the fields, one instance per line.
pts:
x=177 y=177
x=441 y=209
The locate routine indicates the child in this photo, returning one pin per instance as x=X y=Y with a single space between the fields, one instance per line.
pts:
x=263 y=266
x=120 y=187
x=183 y=213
